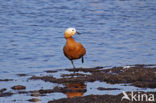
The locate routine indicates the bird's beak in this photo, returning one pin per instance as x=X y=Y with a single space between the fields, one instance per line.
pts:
x=78 y=33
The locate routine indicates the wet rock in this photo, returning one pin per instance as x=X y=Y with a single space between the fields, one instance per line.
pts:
x=89 y=99
x=145 y=84
x=2 y=90
x=34 y=100
x=63 y=80
x=72 y=75
x=6 y=94
x=140 y=76
x=6 y=79
x=51 y=71
x=95 y=69
x=101 y=99
x=18 y=87
x=101 y=88
x=41 y=92
x=22 y=75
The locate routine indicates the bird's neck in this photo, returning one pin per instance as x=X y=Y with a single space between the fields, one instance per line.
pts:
x=70 y=39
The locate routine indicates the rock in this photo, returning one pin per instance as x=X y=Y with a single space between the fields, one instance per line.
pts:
x=18 y=87
x=34 y=100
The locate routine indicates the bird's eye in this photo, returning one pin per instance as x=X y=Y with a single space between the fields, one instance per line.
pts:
x=73 y=30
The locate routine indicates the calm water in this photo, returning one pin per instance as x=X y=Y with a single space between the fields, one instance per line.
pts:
x=114 y=32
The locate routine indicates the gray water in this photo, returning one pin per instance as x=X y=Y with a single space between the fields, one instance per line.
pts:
x=114 y=33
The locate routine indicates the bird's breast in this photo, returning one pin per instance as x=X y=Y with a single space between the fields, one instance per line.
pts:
x=74 y=50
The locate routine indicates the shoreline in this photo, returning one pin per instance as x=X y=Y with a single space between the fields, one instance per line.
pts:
x=74 y=84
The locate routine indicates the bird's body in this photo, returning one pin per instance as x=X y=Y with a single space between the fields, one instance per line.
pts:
x=72 y=49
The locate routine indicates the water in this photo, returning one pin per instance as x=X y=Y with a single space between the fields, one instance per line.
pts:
x=118 y=32
x=114 y=33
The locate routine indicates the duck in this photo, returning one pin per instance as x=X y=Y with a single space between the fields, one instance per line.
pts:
x=73 y=50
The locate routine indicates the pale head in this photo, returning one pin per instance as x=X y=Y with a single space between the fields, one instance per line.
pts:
x=69 y=32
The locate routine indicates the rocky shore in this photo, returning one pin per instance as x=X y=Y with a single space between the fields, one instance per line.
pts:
x=141 y=76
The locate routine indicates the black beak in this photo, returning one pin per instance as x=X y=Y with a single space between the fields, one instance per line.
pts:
x=78 y=33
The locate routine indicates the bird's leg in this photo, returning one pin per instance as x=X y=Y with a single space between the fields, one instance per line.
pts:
x=73 y=65
x=82 y=60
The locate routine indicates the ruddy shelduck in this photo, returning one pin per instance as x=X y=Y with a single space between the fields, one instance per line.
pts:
x=72 y=49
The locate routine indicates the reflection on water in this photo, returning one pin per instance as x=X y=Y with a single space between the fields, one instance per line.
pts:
x=75 y=89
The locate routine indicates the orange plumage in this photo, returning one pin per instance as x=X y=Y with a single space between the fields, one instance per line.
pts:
x=72 y=49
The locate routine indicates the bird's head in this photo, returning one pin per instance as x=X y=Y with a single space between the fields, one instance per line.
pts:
x=70 y=32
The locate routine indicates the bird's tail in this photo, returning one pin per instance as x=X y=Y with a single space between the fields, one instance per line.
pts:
x=82 y=60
